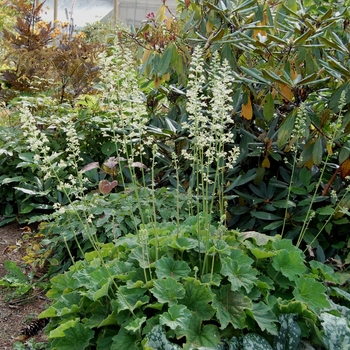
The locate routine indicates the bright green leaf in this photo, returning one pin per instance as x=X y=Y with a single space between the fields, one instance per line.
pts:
x=75 y=338
x=167 y=267
x=311 y=292
x=289 y=263
x=168 y=290
x=177 y=316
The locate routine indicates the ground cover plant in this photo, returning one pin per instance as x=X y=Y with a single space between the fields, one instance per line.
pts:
x=155 y=185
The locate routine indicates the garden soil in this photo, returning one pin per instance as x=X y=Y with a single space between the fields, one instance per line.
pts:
x=15 y=314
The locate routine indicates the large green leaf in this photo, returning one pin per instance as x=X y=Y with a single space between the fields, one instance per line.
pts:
x=289 y=263
x=124 y=341
x=168 y=290
x=239 y=271
x=230 y=307
x=264 y=317
x=199 y=336
x=130 y=299
x=198 y=298
x=75 y=338
x=168 y=267
x=176 y=316
x=311 y=292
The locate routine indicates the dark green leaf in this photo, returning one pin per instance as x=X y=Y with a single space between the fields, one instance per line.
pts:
x=230 y=307
x=198 y=298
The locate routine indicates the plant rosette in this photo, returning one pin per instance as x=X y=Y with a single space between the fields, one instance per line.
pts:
x=168 y=287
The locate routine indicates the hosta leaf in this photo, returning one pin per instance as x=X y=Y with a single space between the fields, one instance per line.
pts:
x=230 y=307
x=75 y=338
x=264 y=317
x=177 y=316
x=311 y=292
x=289 y=263
x=167 y=267
x=239 y=271
x=168 y=290
x=197 y=299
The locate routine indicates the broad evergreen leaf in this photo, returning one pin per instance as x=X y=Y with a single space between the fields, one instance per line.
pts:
x=177 y=316
x=289 y=334
x=238 y=269
x=168 y=290
x=75 y=338
x=168 y=267
x=124 y=341
x=198 y=298
x=336 y=332
x=230 y=307
x=312 y=293
x=264 y=317
x=289 y=263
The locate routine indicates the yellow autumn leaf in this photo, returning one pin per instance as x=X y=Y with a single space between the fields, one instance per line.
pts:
x=286 y=92
x=247 y=110
x=209 y=27
x=329 y=148
x=266 y=163
x=166 y=77
x=145 y=56
x=161 y=14
x=345 y=169
x=157 y=81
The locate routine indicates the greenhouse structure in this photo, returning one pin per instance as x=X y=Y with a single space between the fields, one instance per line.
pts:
x=129 y=12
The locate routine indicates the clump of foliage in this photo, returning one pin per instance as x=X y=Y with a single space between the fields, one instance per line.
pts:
x=43 y=58
x=169 y=285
